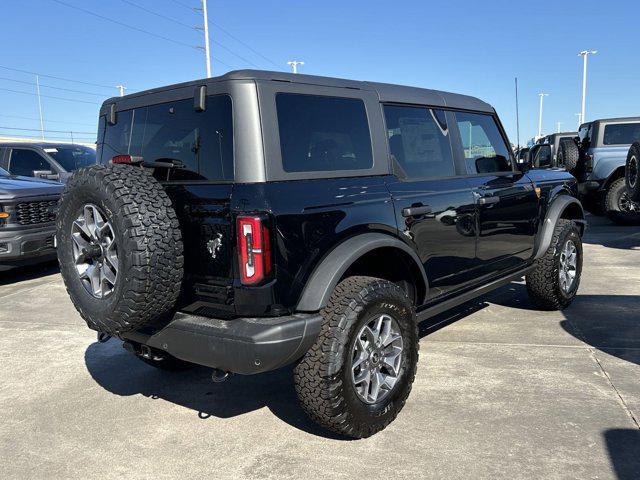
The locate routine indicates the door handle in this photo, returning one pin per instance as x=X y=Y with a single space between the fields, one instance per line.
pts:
x=415 y=211
x=488 y=200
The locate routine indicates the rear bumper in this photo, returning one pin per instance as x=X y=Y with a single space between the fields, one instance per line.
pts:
x=20 y=247
x=245 y=345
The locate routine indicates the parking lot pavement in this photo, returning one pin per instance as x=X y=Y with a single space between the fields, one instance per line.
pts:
x=502 y=391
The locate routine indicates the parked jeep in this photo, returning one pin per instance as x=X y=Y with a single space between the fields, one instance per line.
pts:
x=599 y=155
x=259 y=219
x=545 y=153
x=27 y=220
x=47 y=160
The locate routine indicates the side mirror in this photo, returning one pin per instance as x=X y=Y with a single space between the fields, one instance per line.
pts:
x=46 y=174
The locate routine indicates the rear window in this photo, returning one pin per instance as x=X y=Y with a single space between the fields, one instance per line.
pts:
x=621 y=133
x=323 y=133
x=201 y=143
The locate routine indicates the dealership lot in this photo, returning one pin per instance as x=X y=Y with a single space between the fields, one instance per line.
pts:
x=501 y=390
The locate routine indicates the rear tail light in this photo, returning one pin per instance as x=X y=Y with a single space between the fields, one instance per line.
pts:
x=254 y=249
x=588 y=163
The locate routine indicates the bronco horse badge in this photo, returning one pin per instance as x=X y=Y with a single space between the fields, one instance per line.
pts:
x=214 y=245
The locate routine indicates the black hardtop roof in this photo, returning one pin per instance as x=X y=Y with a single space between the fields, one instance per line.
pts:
x=386 y=92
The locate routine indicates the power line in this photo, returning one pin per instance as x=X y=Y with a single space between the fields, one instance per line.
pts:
x=48 y=96
x=54 y=77
x=54 y=137
x=122 y=24
x=37 y=130
x=232 y=36
x=190 y=27
x=56 y=88
x=48 y=121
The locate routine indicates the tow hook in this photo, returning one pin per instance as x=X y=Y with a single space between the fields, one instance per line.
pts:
x=103 y=337
x=219 y=376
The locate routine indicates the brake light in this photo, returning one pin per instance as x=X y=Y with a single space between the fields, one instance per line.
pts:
x=588 y=162
x=254 y=249
x=127 y=159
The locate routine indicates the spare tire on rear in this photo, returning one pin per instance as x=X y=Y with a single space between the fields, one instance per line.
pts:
x=119 y=247
x=568 y=155
x=631 y=172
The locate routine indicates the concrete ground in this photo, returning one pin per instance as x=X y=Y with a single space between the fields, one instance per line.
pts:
x=502 y=391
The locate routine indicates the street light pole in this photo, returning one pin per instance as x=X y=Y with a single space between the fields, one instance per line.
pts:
x=122 y=88
x=579 y=115
x=206 y=38
x=541 y=95
x=294 y=65
x=585 y=54
x=40 y=106
x=558 y=124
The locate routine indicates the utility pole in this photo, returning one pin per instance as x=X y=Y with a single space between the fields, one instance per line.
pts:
x=207 y=53
x=558 y=126
x=585 y=54
x=517 y=117
x=579 y=115
x=294 y=65
x=122 y=88
x=541 y=95
x=40 y=106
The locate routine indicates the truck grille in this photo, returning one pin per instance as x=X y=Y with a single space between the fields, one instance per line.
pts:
x=32 y=213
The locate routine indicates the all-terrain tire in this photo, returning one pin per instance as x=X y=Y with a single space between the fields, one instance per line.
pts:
x=568 y=155
x=543 y=283
x=148 y=242
x=632 y=172
x=619 y=206
x=323 y=377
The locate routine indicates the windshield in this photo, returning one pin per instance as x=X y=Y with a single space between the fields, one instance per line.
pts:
x=73 y=157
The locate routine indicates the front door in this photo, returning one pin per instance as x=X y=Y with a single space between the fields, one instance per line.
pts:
x=506 y=200
x=433 y=203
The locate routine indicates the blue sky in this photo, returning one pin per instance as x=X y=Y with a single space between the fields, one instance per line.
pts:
x=471 y=47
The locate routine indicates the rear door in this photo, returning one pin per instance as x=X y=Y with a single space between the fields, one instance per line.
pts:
x=433 y=203
x=201 y=144
x=506 y=200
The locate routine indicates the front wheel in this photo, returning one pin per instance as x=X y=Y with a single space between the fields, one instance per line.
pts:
x=357 y=376
x=554 y=281
x=619 y=206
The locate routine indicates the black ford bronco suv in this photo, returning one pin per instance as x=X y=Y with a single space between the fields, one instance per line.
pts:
x=260 y=219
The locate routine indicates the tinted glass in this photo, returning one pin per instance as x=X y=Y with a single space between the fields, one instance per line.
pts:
x=323 y=133
x=621 y=134
x=485 y=150
x=543 y=156
x=72 y=158
x=3 y=173
x=201 y=143
x=419 y=141
x=25 y=162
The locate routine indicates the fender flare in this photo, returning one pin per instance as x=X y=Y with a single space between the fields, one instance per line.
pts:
x=554 y=213
x=328 y=273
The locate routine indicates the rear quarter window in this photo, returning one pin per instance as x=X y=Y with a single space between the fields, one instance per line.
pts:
x=321 y=134
x=621 y=133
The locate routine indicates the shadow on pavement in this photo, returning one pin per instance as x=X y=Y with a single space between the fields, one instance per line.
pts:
x=21 y=274
x=602 y=231
x=119 y=372
x=623 y=446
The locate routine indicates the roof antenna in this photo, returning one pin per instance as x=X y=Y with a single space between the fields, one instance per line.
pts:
x=517 y=117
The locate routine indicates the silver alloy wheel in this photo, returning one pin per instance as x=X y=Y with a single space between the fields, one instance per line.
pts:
x=627 y=205
x=376 y=359
x=568 y=266
x=95 y=251
x=633 y=171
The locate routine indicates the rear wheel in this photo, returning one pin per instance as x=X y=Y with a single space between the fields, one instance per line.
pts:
x=631 y=172
x=119 y=248
x=619 y=206
x=357 y=376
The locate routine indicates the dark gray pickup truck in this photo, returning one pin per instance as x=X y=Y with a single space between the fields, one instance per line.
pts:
x=27 y=214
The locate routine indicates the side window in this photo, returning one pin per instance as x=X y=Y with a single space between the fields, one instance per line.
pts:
x=323 y=133
x=621 y=133
x=201 y=142
x=25 y=162
x=419 y=142
x=485 y=151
